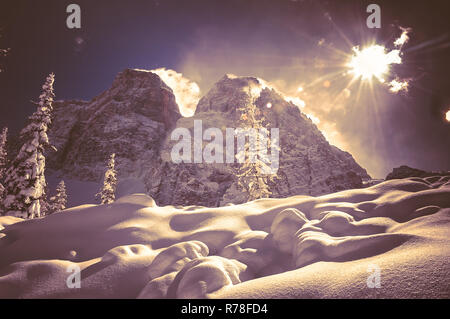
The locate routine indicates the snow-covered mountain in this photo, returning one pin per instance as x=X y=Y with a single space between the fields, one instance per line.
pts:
x=135 y=119
x=131 y=119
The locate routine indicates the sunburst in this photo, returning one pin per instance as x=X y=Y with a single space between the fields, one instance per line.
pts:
x=372 y=62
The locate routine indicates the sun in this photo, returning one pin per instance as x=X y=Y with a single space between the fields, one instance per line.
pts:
x=447 y=116
x=372 y=62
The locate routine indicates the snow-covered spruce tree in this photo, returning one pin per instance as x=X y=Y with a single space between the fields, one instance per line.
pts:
x=58 y=202
x=44 y=202
x=3 y=53
x=253 y=174
x=25 y=180
x=107 y=194
x=3 y=159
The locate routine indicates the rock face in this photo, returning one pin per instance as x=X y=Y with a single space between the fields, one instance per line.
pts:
x=309 y=165
x=135 y=119
x=130 y=119
x=406 y=171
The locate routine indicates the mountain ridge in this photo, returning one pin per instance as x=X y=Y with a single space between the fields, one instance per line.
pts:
x=134 y=119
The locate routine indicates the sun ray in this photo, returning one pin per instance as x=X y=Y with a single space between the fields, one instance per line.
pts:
x=428 y=44
x=373 y=62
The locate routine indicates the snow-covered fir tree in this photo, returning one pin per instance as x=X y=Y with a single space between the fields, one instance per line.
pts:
x=44 y=202
x=107 y=194
x=253 y=174
x=58 y=202
x=3 y=152
x=25 y=180
x=3 y=159
x=3 y=53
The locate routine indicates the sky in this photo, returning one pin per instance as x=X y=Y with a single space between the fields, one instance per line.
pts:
x=289 y=43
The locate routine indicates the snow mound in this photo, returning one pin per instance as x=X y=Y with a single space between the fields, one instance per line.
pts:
x=296 y=247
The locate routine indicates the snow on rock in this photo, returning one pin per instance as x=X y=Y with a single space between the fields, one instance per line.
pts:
x=167 y=264
x=207 y=275
x=176 y=256
x=285 y=225
x=406 y=171
x=308 y=163
x=8 y=220
x=255 y=249
x=127 y=253
x=295 y=247
x=135 y=119
x=141 y=199
x=129 y=119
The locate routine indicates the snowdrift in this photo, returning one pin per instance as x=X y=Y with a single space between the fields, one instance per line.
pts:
x=296 y=247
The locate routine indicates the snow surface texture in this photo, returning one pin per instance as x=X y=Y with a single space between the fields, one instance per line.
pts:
x=296 y=247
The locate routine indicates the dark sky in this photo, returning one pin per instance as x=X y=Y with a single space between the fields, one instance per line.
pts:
x=275 y=40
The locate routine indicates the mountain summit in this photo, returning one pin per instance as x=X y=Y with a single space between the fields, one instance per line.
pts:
x=135 y=118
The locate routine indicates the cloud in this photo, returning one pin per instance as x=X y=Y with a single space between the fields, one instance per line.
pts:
x=397 y=85
x=349 y=117
x=404 y=38
x=187 y=92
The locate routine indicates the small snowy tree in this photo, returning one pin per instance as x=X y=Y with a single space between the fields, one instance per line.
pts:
x=252 y=175
x=3 y=159
x=58 y=202
x=44 y=202
x=25 y=180
x=3 y=53
x=107 y=194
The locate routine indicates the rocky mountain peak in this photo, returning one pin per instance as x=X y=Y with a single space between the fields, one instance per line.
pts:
x=308 y=163
x=143 y=91
x=232 y=92
x=405 y=171
x=228 y=94
x=135 y=119
x=129 y=119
